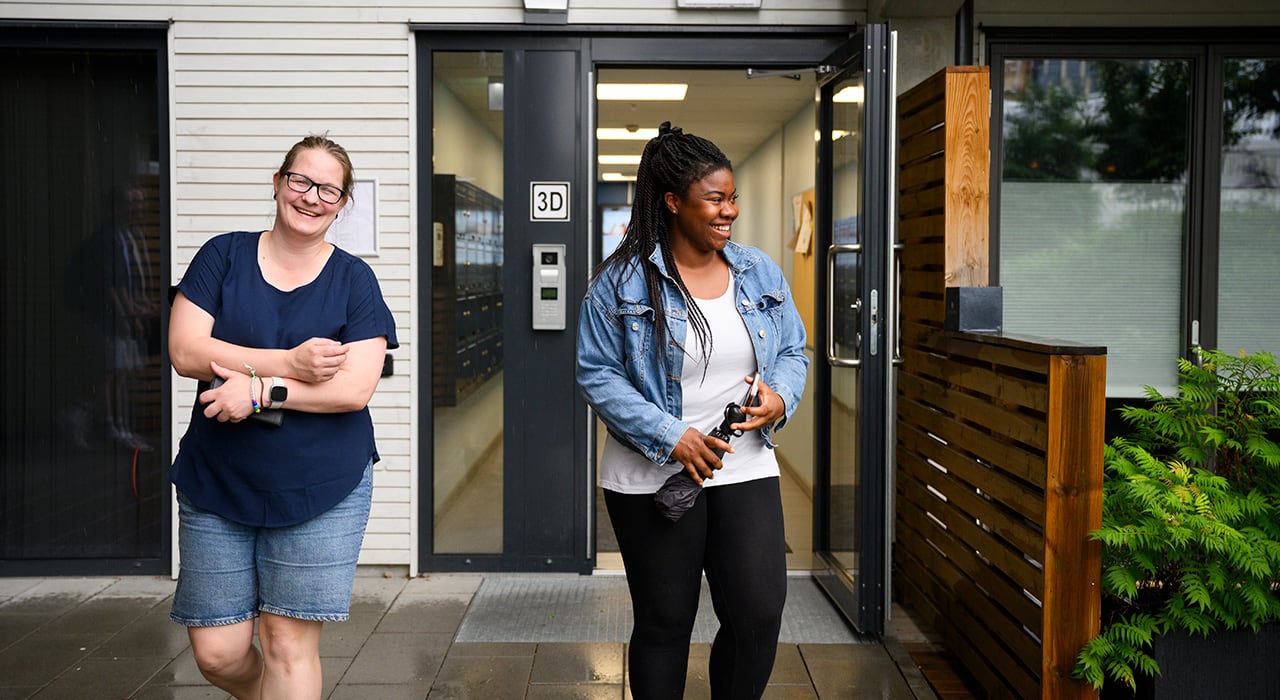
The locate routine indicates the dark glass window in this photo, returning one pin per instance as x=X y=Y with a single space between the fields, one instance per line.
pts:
x=82 y=405
x=1093 y=208
x=1137 y=192
x=1249 y=206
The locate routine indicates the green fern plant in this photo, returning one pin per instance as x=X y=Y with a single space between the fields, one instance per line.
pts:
x=1190 y=514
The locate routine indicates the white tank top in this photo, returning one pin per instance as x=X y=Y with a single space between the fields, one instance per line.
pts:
x=704 y=398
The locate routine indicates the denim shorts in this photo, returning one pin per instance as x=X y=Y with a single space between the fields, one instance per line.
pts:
x=230 y=572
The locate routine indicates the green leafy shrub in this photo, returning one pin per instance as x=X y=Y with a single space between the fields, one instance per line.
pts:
x=1190 y=514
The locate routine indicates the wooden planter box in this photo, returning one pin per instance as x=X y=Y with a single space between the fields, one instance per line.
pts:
x=1235 y=665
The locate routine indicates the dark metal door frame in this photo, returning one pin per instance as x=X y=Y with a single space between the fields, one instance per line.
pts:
x=543 y=103
x=144 y=38
x=862 y=598
x=524 y=510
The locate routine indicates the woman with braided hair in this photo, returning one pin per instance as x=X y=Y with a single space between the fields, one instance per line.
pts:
x=675 y=325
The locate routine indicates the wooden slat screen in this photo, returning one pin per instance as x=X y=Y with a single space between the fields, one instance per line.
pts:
x=999 y=439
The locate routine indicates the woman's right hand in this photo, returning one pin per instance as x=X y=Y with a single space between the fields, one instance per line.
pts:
x=231 y=401
x=697 y=453
x=316 y=360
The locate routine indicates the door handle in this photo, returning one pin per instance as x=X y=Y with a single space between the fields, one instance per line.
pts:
x=832 y=356
x=895 y=304
x=875 y=320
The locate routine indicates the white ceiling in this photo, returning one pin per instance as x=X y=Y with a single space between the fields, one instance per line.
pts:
x=737 y=113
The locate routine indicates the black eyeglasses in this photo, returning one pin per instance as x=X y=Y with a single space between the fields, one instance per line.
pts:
x=301 y=183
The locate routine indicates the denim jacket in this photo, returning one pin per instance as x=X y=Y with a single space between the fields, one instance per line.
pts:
x=620 y=373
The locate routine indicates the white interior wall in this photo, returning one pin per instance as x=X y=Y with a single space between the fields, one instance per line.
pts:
x=799 y=167
x=467 y=432
x=462 y=146
x=781 y=168
x=760 y=216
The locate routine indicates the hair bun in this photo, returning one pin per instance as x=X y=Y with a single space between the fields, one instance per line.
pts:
x=665 y=128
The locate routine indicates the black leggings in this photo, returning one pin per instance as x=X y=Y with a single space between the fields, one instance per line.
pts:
x=735 y=534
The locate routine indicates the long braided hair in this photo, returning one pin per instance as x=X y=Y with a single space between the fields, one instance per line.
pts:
x=672 y=162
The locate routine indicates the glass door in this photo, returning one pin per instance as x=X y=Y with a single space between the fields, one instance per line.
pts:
x=84 y=394
x=467 y=303
x=855 y=298
x=504 y=221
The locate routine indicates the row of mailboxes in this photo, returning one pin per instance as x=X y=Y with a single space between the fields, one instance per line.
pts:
x=476 y=362
x=478 y=315
x=466 y=288
x=478 y=264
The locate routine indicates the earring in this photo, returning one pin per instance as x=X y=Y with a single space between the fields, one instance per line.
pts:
x=673 y=210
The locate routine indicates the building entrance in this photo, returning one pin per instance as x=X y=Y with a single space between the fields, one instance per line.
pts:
x=513 y=123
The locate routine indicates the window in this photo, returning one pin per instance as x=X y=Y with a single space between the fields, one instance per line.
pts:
x=1249 y=206
x=1122 y=216
x=84 y=415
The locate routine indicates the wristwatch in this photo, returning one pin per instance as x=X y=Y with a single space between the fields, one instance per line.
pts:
x=279 y=393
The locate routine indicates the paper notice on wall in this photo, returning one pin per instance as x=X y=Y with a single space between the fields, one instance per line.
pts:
x=804 y=230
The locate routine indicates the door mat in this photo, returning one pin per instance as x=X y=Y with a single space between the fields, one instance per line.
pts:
x=570 y=608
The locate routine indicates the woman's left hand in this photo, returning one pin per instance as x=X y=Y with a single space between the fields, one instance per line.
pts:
x=230 y=401
x=769 y=408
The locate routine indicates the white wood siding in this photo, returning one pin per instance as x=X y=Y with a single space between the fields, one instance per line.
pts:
x=243 y=93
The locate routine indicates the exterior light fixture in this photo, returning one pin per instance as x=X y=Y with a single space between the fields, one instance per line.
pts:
x=546 y=11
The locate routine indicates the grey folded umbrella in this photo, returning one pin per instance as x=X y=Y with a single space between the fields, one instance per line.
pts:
x=677 y=495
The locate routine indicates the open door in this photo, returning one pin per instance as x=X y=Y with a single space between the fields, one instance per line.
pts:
x=855 y=301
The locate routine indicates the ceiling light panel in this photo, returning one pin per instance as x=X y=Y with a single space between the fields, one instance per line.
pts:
x=641 y=92
x=606 y=134
x=619 y=160
x=853 y=93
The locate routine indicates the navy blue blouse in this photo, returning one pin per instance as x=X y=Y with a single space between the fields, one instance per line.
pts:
x=251 y=472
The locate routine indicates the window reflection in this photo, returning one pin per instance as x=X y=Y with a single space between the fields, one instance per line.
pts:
x=81 y=455
x=1249 y=214
x=847 y=165
x=467 y=302
x=1093 y=209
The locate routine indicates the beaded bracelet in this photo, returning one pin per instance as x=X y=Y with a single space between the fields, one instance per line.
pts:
x=257 y=408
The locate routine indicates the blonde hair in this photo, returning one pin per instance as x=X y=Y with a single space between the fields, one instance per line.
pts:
x=324 y=143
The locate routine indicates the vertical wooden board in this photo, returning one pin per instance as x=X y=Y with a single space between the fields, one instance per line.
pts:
x=1073 y=562
x=967 y=178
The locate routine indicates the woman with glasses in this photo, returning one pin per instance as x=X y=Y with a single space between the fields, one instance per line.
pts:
x=286 y=335
x=678 y=322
